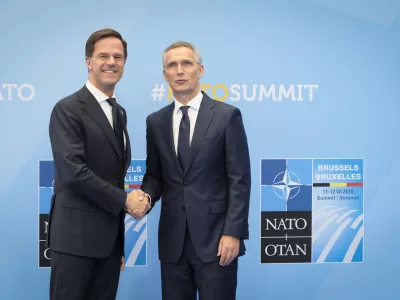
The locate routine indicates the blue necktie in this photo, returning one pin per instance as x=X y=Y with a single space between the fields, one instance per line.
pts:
x=118 y=124
x=183 y=138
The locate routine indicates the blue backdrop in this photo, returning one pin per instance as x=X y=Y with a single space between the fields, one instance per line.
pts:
x=313 y=79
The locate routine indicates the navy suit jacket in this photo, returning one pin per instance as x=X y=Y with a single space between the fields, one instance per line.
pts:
x=212 y=194
x=87 y=212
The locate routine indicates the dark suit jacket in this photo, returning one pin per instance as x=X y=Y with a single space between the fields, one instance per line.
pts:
x=87 y=205
x=213 y=193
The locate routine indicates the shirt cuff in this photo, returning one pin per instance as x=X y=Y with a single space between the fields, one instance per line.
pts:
x=148 y=198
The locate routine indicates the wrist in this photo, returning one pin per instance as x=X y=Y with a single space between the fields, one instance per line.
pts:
x=126 y=199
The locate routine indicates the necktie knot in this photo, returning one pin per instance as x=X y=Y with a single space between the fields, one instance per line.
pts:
x=184 y=110
x=112 y=101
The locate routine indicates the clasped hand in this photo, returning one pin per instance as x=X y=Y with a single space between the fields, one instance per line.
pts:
x=137 y=204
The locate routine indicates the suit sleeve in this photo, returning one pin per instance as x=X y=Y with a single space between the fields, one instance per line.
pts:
x=67 y=142
x=239 y=178
x=152 y=181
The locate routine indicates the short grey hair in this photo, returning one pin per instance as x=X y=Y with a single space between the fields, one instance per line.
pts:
x=180 y=44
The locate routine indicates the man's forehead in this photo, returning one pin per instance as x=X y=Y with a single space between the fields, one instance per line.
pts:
x=180 y=52
x=110 y=42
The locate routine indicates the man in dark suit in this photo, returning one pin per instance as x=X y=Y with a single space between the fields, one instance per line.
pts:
x=91 y=151
x=198 y=162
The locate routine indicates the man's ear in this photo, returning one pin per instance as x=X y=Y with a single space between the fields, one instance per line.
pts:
x=89 y=63
x=201 y=71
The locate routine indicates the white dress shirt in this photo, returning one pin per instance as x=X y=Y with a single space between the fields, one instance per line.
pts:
x=193 y=111
x=105 y=106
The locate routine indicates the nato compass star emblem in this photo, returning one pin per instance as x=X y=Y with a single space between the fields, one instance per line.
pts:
x=286 y=185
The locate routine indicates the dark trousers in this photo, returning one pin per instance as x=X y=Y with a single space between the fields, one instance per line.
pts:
x=85 y=278
x=182 y=280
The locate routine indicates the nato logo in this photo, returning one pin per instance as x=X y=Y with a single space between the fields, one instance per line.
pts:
x=286 y=185
x=312 y=210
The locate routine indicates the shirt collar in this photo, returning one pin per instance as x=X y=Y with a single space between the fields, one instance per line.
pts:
x=194 y=103
x=99 y=95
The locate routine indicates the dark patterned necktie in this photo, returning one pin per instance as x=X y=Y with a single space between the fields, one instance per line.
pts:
x=183 y=138
x=118 y=124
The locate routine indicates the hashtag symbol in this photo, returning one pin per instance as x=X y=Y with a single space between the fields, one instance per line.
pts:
x=158 y=92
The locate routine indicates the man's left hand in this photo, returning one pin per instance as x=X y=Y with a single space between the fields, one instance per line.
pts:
x=122 y=264
x=228 y=249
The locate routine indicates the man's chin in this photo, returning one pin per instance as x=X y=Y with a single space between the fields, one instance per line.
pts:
x=108 y=86
x=110 y=83
x=182 y=90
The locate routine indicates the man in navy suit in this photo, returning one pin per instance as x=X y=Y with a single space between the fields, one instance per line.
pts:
x=91 y=151
x=198 y=162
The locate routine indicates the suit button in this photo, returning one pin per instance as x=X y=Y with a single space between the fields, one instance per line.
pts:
x=183 y=207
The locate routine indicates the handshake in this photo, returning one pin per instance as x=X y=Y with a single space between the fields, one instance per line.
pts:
x=137 y=204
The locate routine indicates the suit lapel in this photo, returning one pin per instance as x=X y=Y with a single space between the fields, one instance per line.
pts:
x=204 y=117
x=94 y=110
x=128 y=142
x=169 y=133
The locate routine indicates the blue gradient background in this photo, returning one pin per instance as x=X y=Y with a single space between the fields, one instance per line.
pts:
x=349 y=48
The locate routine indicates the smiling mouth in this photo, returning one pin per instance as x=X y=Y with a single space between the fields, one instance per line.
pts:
x=110 y=72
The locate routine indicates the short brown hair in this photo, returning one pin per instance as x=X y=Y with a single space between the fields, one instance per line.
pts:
x=101 y=34
x=180 y=44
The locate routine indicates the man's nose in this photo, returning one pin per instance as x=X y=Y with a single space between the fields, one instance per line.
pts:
x=111 y=60
x=179 y=69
